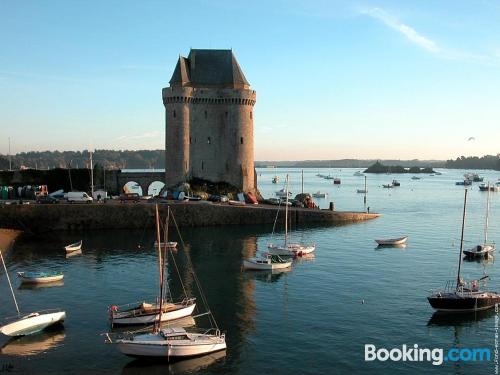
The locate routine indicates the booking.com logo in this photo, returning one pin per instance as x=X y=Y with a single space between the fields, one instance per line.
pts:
x=436 y=356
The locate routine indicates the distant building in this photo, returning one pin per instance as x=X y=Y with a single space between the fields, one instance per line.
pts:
x=209 y=121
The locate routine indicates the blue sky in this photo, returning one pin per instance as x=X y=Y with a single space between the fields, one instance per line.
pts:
x=334 y=79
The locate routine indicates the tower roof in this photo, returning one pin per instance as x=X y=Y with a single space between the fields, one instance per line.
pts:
x=209 y=68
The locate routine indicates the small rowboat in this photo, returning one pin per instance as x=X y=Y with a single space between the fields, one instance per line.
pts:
x=74 y=246
x=40 y=277
x=392 y=241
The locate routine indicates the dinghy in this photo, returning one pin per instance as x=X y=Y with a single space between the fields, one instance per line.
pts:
x=40 y=277
x=392 y=241
x=74 y=246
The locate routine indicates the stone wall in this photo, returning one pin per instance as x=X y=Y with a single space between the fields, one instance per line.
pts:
x=112 y=215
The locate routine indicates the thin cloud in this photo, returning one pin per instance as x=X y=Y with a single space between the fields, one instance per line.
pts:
x=147 y=135
x=409 y=32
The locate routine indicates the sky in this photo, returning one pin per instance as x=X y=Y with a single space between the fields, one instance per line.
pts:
x=334 y=79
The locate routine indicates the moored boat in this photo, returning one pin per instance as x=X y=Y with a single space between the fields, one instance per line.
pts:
x=287 y=248
x=392 y=241
x=74 y=246
x=40 y=277
x=266 y=262
x=319 y=194
x=460 y=296
x=485 y=249
x=147 y=313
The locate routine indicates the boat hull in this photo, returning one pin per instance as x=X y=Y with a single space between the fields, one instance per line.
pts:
x=40 y=279
x=120 y=318
x=291 y=250
x=393 y=241
x=251 y=265
x=32 y=324
x=153 y=346
x=451 y=302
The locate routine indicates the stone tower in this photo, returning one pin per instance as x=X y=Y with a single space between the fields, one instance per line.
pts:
x=209 y=121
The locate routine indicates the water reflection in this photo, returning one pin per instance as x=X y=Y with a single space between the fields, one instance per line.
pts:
x=73 y=254
x=33 y=286
x=462 y=319
x=266 y=276
x=31 y=345
x=180 y=367
x=383 y=247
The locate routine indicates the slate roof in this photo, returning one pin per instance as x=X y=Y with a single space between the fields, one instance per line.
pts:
x=209 y=68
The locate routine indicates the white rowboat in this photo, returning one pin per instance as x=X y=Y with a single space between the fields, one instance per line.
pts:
x=40 y=277
x=74 y=246
x=393 y=241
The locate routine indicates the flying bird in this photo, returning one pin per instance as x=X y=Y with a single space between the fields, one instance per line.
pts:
x=471 y=139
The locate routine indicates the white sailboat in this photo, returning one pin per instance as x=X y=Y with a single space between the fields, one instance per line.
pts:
x=485 y=249
x=289 y=248
x=27 y=324
x=146 y=312
x=266 y=262
x=171 y=342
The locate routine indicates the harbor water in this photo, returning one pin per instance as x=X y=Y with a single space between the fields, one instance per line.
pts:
x=314 y=319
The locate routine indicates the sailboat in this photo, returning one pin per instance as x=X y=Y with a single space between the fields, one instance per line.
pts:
x=461 y=295
x=485 y=249
x=27 y=324
x=267 y=262
x=172 y=342
x=289 y=248
x=146 y=312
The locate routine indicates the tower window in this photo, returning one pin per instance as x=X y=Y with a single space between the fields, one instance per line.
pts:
x=190 y=140
x=241 y=140
x=227 y=113
x=206 y=114
x=174 y=113
x=251 y=115
x=209 y=140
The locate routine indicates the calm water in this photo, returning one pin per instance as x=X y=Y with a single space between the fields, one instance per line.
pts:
x=309 y=320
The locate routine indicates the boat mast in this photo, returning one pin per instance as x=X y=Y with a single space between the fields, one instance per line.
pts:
x=8 y=279
x=461 y=241
x=286 y=212
x=91 y=177
x=156 y=327
x=487 y=216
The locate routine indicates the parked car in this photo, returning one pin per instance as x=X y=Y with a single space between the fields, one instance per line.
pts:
x=44 y=199
x=134 y=197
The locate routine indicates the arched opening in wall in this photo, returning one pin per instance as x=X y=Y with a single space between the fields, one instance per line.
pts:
x=155 y=187
x=132 y=187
